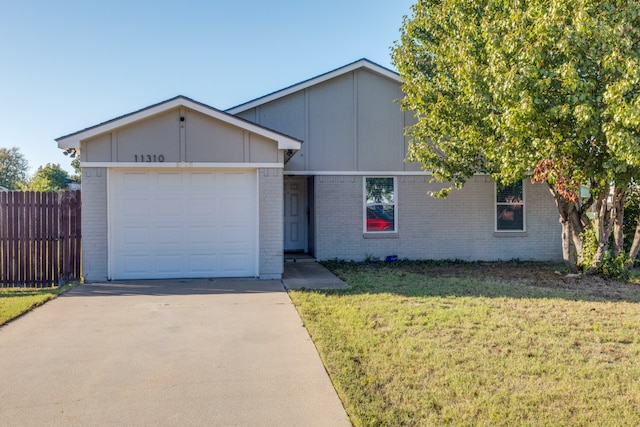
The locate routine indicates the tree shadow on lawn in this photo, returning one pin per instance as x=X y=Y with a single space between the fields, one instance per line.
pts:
x=27 y=292
x=512 y=279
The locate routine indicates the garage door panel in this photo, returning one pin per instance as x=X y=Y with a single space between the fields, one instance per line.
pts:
x=199 y=236
x=135 y=236
x=136 y=264
x=202 y=180
x=237 y=208
x=168 y=236
x=235 y=263
x=166 y=209
x=183 y=224
x=167 y=181
x=203 y=263
x=136 y=180
x=169 y=263
x=135 y=207
x=204 y=207
x=235 y=236
x=235 y=180
x=237 y=202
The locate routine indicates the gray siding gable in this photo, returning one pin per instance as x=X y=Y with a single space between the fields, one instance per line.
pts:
x=351 y=122
x=361 y=63
x=169 y=114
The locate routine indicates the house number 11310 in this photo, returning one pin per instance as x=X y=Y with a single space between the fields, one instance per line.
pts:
x=148 y=158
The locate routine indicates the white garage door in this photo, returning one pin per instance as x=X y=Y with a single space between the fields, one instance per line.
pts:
x=174 y=224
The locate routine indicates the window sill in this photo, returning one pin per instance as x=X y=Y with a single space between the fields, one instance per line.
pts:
x=510 y=234
x=392 y=235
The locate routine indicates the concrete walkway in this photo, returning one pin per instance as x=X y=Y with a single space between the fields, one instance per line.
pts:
x=184 y=353
x=308 y=274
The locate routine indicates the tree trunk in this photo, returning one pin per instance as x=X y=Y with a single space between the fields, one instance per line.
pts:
x=635 y=246
x=604 y=225
x=576 y=232
x=618 y=221
x=568 y=256
x=571 y=243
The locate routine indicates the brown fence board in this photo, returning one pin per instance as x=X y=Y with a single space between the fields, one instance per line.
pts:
x=13 y=242
x=19 y=213
x=29 y=216
x=56 y=256
x=49 y=242
x=40 y=238
x=4 y=239
x=26 y=239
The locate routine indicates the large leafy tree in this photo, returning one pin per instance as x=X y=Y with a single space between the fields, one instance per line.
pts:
x=50 y=177
x=77 y=170
x=13 y=168
x=540 y=89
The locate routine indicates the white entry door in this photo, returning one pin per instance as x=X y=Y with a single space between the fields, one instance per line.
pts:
x=295 y=214
x=175 y=224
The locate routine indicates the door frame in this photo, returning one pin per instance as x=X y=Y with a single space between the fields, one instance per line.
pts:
x=304 y=200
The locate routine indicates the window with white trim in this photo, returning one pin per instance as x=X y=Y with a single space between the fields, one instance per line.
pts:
x=510 y=207
x=379 y=204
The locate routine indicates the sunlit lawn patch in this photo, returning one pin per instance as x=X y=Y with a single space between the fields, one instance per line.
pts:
x=405 y=347
x=16 y=301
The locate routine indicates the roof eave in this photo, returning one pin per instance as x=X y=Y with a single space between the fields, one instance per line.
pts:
x=361 y=63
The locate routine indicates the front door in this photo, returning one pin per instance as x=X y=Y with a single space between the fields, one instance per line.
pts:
x=295 y=214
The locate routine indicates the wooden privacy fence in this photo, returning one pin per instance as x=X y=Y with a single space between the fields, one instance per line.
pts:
x=39 y=238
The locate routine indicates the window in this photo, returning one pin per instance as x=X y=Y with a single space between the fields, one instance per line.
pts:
x=510 y=207
x=380 y=204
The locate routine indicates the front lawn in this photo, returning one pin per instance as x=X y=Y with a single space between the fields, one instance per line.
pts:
x=16 y=301
x=478 y=345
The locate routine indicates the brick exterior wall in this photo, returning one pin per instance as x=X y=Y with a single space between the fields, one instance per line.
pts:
x=94 y=224
x=271 y=231
x=459 y=227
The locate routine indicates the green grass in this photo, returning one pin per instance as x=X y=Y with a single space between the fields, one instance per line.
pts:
x=16 y=301
x=405 y=347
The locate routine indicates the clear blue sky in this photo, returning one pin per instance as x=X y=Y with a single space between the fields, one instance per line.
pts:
x=70 y=64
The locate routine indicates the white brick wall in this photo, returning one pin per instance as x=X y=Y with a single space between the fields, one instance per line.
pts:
x=271 y=211
x=94 y=224
x=459 y=227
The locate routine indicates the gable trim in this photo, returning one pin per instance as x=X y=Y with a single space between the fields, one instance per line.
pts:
x=72 y=141
x=362 y=63
x=357 y=173
x=182 y=165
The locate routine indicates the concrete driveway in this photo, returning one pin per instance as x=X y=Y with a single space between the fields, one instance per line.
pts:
x=190 y=352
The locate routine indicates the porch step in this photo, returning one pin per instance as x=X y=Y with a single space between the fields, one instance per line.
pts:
x=298 y=257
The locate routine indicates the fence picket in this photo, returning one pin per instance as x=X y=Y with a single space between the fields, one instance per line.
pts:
x=51 y=236
x=11 y=265
x=40 y=238
x=4 y=238
x=64 y=235
x=27 y=240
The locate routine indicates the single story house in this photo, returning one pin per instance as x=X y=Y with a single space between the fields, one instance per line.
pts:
x=180 y=189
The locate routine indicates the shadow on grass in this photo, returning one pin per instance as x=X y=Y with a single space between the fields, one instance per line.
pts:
x=28 y=292
x=16 y=302
x=513 y=279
